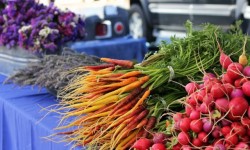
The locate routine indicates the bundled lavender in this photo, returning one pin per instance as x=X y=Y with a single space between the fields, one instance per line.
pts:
x=38 y=28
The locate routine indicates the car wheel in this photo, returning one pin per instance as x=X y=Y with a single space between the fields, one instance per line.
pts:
x=138 y=26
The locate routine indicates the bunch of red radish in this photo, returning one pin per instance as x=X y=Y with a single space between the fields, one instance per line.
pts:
x=156 y=143
x=217 y=111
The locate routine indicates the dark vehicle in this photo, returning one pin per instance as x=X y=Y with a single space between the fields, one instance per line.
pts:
x=148 y=17
x=111 y=23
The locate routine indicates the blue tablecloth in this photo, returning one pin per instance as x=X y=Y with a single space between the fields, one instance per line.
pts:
x=126 y=48
x=20 y=112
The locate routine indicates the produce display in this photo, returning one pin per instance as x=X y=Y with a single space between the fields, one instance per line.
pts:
x=50 y=71
x=38 y=28
x=122 y=105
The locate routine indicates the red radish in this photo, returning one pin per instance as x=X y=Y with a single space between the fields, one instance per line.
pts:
x=197 y=142
x=201 y=86
x=246 y=71
x=218 y=90
x=203 y=108
x=216 y=132
x=231 y=139
x=208 y=76
x=191 y=87
x=188 y=110
x=234 y=70
x=219 y=147
x=238 y=106
x=210 y=147
x=225 y=60
x=246 y=122
x=209 y=84
x=248 y=132
x=177 y=125
x=201 y=94
x=208 y=99
x=158 y=146
x=195 y=114
x=196 y=125
x=185 y=124
x=245 y=138
x=248 y=112
x=177 y=117
x=225 y=122
x=238 y=128
x=142 y=144
x=218 y=141
x=222 y=104
x=207 y=126
x=177 y=146
x=228 y=88
x=246 y=88
x=226 y=79
x=183 y=138
x=225 y=130
x=186 y=147
x=160 y=137
x=236 y=93
x=242 y=146
x=239 y=82
x=202 y=136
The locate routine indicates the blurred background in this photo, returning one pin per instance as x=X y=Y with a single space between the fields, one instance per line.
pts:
x=154 y=20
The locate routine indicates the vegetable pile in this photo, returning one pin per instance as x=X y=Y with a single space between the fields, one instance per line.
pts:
x=115 y=104
x=36 y=27
x=50 y=71
x=217 y=110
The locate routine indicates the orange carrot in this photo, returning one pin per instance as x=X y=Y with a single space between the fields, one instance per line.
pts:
x=121 y=84
x=122 y=63
x=136 y=84
x=131 y=74
x=142 y=123
x=143 y=98
x=243 y=58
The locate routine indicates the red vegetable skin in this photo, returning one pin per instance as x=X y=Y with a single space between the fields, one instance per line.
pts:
x=238 y=128
x=210 y=147
x=238 y=106
x=246 y=122
x=191 y=87
x=185 y=124
x=197 y=142
x=218 y=91
x=242 y=146
x=195 y=114
x=225 y=130
x=196 y=125
x=202 y=136
x=246 y=88
x=160 y=138
x=234 y=71
x=222 y=104
x=225 y=60
x=239 y=82
x=231 y=139
x=236 y=93
x=246 y=71
x=183 y=138
x=248 y=112
x=158 y=146
x=142 y=144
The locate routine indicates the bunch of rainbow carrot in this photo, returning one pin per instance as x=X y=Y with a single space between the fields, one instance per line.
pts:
x=108 y=105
